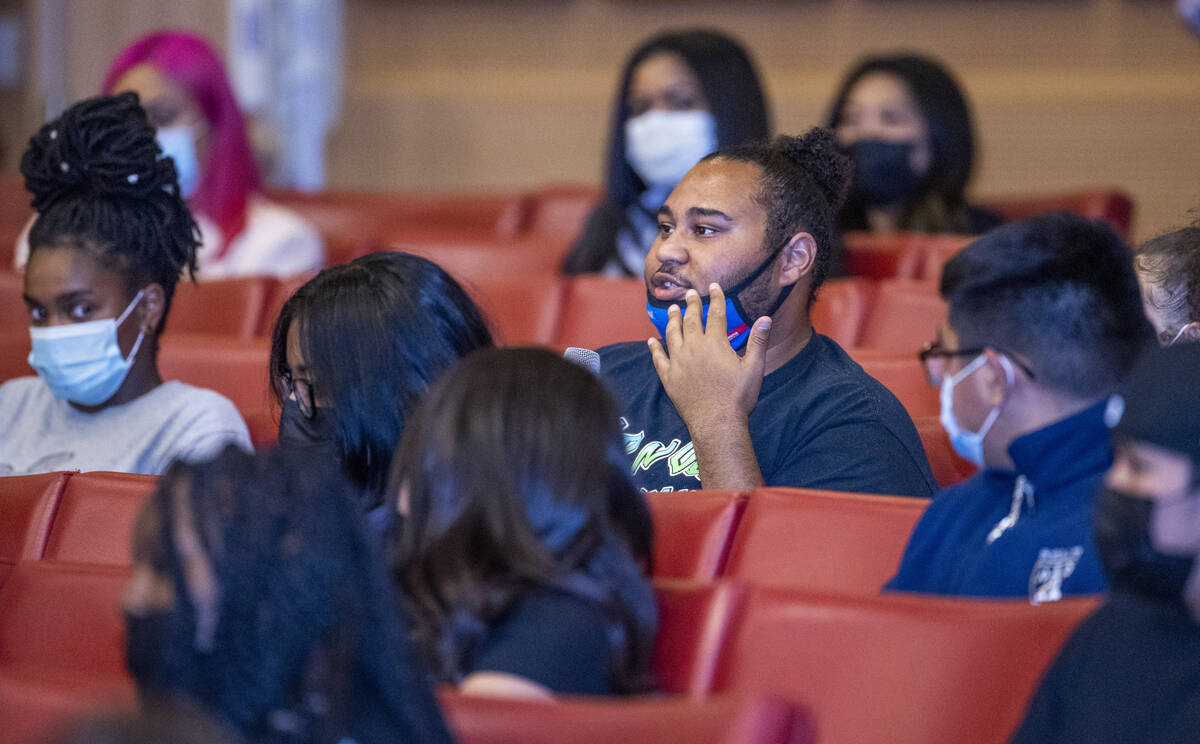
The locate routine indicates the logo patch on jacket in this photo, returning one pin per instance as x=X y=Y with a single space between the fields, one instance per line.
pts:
x=1052 y=568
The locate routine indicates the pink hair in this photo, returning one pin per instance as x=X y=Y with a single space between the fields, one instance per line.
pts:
x=229 y=175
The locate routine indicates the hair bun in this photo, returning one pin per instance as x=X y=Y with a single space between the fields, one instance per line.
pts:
x=100 y=147
x=817 y=154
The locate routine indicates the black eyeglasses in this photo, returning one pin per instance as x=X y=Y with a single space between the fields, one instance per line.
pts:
x=933 y=358
x=300 y=391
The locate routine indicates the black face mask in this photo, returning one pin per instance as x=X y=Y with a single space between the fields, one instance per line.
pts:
x=160 y=655
x=883 y=173
x=1122 y=530
x=298 y=430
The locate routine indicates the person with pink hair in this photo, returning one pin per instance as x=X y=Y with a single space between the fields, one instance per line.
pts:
x=181 y=83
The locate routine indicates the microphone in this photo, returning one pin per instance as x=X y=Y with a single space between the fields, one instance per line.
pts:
x=585 y=358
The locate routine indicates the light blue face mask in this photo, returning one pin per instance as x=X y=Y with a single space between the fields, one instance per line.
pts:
x=82 y=362
x=179 y=144
x=967 y=444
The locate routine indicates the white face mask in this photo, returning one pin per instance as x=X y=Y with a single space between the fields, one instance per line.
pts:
x=179 y=144
x=82 y=362
x=662 y=146
x=967 y=444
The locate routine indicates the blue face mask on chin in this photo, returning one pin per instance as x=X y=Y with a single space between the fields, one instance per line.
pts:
x=737 y=320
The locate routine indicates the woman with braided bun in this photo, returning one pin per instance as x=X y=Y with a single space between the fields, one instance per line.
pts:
x=111 y=239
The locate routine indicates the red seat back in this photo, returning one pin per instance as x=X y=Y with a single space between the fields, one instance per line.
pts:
x=27 y=506
x=936 y=250
x=902 y=374
x=284 y=289
x=560 y=210
x=693 y=531
x=693 y=620
x=238 y=370
x=522 y=310
x=882 y=255
x=1111 y=205
x=948 y=468
x=824 y=540
x=481 y=261
x=14 y=350
x=94 y=522
x=904 y=316
x=723 y=720
x=900 y=669
x=841 y=309
x=14 y=315
x=598 y=311
x=226 y=307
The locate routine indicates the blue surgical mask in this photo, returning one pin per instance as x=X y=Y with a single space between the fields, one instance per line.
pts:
x=737 y=320
x=179 y=144
x=968 y=445
x=82 y=362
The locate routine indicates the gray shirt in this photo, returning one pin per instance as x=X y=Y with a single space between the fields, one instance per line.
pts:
x=40 y=433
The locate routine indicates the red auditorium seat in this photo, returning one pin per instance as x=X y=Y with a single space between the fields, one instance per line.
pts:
x=94 y=521
x=478 y=261
x=1111 y=205
x=14 y=349
x=900 y=669
x=523 y=310
x=27 y=507
x=948 y=468
x=822 y=540
x=841 y=309
x=15 y=212
x=226 y=307
x=61 y=646
x=598 y=311
x=238 y=370
x=560 y=209
x=721 y=720
x=284 y=289
x=901 y=373
x=904 y=315
x=693 y=531
x=13 y=313
x=882 y=255
x=936 y=250
x=693 y=620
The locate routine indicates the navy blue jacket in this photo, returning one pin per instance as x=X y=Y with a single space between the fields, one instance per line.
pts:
x=1048 y=552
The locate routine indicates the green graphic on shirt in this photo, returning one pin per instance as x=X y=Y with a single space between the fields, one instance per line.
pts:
x=680 y=460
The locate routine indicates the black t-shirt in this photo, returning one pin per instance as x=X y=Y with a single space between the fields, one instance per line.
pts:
x=820 y=422
x=1129 y=673
x=555 y=639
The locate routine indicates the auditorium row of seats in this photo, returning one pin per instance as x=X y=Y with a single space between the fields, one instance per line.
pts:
x=540 y=223
x=771 y=628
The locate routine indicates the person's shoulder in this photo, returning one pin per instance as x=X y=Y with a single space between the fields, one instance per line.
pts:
x=182 y=398
x=21 y=388
x=841 y=383
x=624 y=356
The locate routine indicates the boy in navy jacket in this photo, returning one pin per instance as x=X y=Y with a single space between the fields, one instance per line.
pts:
x=1044 y=321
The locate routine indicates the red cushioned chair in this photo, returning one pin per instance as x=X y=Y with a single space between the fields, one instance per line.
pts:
x=225 y=307
x=27 y=507
x=14 y=315
x=598 y=311
x=94 y=521
x=522 y=310
x=897 y=669
x=61 y=646
x=822 y=540
x=238 y=370
x=284 y=289
x=841 y=309
x=481 y=261
x=693 y=620
x=722 y=720
x=948 y=468
x=882 y=255
x=936 y=250
x=15 y=213
x=560 y=209
x=693 y=531
x=904 y=315
x=1111 y=205
x=903 y=375
x=14 y=350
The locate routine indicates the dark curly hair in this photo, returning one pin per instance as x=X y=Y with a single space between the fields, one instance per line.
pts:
x=100 y=184
x=299 y=639
x=1170 y=264
x=803 y=184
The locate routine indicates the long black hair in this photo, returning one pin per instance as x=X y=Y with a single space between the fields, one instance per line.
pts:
x=516 y=483
x=731 y=86
x=941 y=204
x=100 y=184
x=375 y=333
x=295 y=636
